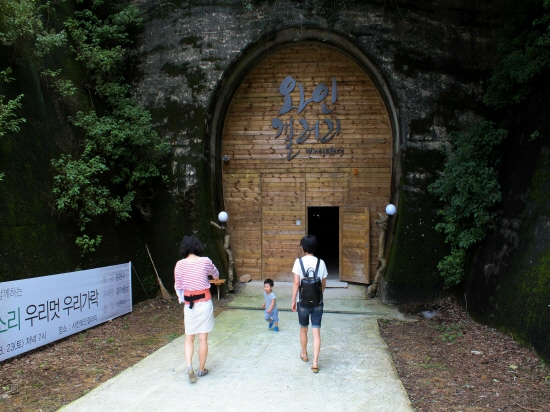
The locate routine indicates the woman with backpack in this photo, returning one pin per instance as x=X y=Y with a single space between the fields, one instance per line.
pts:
x=310 y=276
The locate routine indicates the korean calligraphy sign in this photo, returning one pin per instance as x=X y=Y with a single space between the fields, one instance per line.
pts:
x=322 y=130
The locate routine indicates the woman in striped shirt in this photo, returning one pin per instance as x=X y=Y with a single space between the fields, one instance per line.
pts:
x=193 y=288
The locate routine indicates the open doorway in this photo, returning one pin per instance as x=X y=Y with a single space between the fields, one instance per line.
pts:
x=324 y=223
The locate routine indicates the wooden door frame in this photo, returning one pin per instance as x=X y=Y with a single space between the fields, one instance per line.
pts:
x=340 y=243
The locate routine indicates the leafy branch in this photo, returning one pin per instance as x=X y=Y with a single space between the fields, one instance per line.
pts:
x=9 y=122
x=469 y=188
x=524 y=54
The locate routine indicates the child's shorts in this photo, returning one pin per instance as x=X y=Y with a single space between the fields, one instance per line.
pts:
x=274 y=315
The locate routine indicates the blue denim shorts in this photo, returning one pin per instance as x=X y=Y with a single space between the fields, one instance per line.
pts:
x=304 y=313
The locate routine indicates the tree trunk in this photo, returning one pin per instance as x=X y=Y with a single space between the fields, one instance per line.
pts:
x=382 y=224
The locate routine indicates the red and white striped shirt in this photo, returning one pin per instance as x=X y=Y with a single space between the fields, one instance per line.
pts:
x=190 y=276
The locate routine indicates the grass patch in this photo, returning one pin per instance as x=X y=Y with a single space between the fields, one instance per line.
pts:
x=450 y=332
x=172 y=336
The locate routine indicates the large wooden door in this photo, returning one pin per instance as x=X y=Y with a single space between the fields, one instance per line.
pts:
x=283 y=223
x=354 y=244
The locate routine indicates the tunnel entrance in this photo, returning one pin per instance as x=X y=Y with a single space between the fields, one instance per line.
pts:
x=307 y=147
x=324 y=223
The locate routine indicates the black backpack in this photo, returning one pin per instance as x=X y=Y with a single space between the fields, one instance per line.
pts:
x=311 y=290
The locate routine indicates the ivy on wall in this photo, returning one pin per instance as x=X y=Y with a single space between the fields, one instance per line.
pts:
x=19 y=20
x=9 y=122
x=470 y=190
x=121 y=153
x=469 y=185
x=120 y=157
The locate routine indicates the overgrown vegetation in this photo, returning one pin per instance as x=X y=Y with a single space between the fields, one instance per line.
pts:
x=469 y=186
x=120 y=156
x=469 y=189
x=18 y=21
x=9 y=122
x=523 y=50
x=121 y=153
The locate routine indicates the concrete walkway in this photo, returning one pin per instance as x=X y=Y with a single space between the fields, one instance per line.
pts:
x=253 y=368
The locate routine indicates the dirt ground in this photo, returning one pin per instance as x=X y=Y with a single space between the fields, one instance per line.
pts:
x=54 y=375
x=447 y=362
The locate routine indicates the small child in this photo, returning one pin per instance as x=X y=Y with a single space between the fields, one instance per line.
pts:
x=271 y=313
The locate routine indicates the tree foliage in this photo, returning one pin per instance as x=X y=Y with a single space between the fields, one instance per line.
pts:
x=9 y=122
x=120 y=156
x=121 y=153
x=468 y=185
x=524 y=53
x=20 y=23
x=469 y=189
x=19 y=20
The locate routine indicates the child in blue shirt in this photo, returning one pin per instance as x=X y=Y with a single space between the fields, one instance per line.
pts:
x=271 y=313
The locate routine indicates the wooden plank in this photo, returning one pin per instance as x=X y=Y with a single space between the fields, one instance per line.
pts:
x=355 y=229
x=283 y=202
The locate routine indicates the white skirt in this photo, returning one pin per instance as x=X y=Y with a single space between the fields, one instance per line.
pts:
x=200 y=319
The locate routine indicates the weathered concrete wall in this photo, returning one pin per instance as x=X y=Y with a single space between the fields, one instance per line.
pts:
x=509 y=281
x=33 y=242
x=429 y=55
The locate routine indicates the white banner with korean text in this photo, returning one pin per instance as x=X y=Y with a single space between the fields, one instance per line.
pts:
x=37 y=311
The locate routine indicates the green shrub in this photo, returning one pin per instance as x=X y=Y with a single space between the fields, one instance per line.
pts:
x=121 y=154
x=469 y=188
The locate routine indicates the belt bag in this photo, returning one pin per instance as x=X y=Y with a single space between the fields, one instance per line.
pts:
x=311 y=290
x=198 y=297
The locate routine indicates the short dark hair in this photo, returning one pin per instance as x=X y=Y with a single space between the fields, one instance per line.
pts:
x=269 y=282
x=191 y=245
x=309 y=243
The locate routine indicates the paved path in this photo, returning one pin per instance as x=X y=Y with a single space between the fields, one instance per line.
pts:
x=253 y=368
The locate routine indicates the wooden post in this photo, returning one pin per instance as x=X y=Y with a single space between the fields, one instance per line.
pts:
x=229 y=254
x=382 y=224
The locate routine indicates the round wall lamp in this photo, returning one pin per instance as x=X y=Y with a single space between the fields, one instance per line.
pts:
x=223 y=216
x=390 y=210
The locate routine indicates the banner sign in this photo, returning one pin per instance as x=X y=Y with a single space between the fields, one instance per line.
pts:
x=37 y=311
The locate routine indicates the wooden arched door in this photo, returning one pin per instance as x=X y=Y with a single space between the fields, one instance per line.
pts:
x=307 y=127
